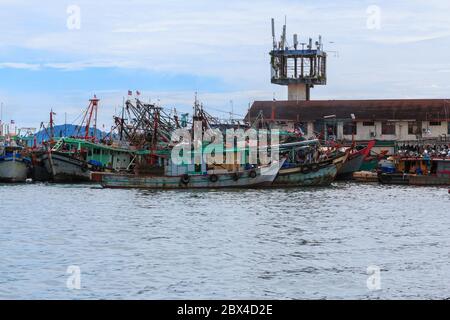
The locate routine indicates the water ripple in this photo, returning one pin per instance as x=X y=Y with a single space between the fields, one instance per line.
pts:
x=293 y=243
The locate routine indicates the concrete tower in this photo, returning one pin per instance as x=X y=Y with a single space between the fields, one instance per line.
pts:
x=298 y=69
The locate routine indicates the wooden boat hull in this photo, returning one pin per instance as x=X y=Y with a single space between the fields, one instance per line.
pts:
x=393 y=178
x=412 y=179
x=263 y=177
x=13 y=170
x=323 y=176
x=365 y=176
x=353 y=164
x=64 y=168
x=369 y=165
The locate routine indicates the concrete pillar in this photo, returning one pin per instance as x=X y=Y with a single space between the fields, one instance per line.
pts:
x=340 y=130
x=298 y=92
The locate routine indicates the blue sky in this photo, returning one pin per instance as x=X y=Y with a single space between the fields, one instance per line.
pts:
x=170 y=49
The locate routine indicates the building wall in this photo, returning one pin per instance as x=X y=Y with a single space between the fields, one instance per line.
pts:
x=435 y=131
x=364 y=132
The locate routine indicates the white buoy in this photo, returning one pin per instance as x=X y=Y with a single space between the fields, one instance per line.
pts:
x=29 y=180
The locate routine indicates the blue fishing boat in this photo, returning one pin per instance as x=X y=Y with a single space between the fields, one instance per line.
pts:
x=13 y=165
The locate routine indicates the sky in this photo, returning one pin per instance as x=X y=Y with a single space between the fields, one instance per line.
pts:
x=58 y=54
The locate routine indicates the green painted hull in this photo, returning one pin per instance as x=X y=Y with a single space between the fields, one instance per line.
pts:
x=370 y=165
x=290 y=177
x=262 y=177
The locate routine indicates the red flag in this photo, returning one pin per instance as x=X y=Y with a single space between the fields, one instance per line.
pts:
x=130 y=93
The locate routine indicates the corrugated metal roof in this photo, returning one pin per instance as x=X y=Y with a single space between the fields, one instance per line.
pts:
x=400 y=109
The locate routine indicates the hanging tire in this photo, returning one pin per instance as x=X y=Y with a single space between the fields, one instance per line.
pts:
x=236 y=176
x=185 y=179
x=315 y=167
x=252 y=174
x=213 y=178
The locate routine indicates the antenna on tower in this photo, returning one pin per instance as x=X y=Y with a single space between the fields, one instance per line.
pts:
x=299 y=70
x=273 y=34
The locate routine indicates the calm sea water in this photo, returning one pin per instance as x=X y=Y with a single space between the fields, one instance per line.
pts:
x=256 y=244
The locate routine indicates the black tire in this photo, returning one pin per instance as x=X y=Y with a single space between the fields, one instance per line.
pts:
x=252 y=174
x=236 y=176
x=315 y=167
x=306 y=169
x=213 y=178
x=185 y=179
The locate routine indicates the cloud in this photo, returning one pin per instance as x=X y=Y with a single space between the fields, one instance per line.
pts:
x=19 y=65
x=226 y=41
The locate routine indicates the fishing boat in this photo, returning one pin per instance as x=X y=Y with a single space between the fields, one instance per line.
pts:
x=354 y=161
x=370 y=163
x=420 y=171
x=13 y=165
x=73 y=160
x=306 y=175
x=195 y=177
x=301 y=169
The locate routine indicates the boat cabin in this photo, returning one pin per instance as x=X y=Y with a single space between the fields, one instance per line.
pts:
x=99 y=154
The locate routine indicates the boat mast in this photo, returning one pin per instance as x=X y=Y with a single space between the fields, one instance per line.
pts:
x=52 y=130
x=92 y=111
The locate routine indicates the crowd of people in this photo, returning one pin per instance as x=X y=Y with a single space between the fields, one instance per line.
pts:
x=426 y=151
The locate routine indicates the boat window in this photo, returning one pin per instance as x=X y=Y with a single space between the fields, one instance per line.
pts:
x=448 y=128
x=435 y=123
x=368 y=123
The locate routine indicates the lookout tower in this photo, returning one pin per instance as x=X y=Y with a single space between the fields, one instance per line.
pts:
x=298 y=68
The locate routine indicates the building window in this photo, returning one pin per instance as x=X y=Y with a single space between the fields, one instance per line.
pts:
x=388 y=127
x=368 y=124
x=435 y=123
x=414 y=128
x=349 y=128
